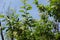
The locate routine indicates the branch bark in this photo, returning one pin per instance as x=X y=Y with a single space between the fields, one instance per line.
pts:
x=1 y=32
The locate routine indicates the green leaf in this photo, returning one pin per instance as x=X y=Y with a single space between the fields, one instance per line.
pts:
x=21 y=10
x=23 y=1
x=29 y=7
x=24 y=15
x=36 y=2
x=22 y=7
x=3 y=28
x=1 y=16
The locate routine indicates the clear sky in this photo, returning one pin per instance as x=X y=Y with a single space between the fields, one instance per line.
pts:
x=4 y=4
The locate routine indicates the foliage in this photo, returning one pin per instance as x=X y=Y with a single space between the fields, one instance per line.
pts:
x=1 y=16
x=29 y=28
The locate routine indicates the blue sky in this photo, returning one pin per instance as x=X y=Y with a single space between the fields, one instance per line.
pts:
x=4 y=4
